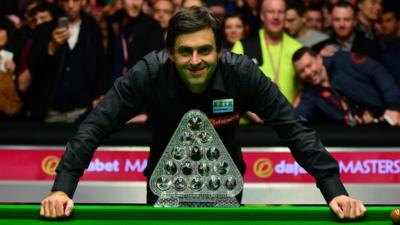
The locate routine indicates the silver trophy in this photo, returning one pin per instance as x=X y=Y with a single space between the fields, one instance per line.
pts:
x=195 y=169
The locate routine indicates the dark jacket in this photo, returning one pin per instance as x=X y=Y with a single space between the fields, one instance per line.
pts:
x=361 y=45
x=46 y=69
x=391 y=58
x=154 y=82
x=360 y=79
x=142 y=35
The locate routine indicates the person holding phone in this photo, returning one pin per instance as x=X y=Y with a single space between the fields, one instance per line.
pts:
x=68 y=66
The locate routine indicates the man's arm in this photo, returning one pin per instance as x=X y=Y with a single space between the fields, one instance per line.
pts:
x=121 y=103
x=271 y=106
x=387 y=86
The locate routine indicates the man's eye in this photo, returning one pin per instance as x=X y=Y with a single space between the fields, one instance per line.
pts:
x=185 y=51
x=205 y=50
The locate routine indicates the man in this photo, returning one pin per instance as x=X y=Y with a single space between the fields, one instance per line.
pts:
x=67 y=66
x=296 y=27
x=390 y=26
x=345 y=37
x=272 y=48
x=391 y=40
x=368 y=14
x=191 y=74
x=347 y=88
x=314 y=18
x=162 y=12
x=133 y=35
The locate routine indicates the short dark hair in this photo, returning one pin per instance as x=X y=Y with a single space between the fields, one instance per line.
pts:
x=191 y=20
x=345 y=4
x=43 y=7
x=301 y=52
x=297 y=6
x=392 y=7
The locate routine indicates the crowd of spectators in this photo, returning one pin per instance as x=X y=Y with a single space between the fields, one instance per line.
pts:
x=335 y=61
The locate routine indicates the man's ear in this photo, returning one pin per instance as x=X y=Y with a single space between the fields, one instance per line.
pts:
x=262 y=17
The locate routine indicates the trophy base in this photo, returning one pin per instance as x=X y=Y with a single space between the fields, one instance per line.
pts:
x=200 y=202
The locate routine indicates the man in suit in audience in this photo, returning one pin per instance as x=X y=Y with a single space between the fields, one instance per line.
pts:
x=346 y=87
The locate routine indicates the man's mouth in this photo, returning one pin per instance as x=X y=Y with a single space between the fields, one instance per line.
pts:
x=196 y=70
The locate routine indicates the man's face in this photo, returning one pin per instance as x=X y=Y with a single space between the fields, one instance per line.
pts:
x=371 y=9
x=294 y=22
x=195 y=56
x=72 y=8
x=273 y=15
x=343 y=22
x=314 y=19
x=132 y=7
x=162 y=12
x=389 y=24
x=42 y=17
x=309 y=69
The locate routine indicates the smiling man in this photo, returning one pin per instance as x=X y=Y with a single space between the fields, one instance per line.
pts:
x=346 y=88
x=193 y=73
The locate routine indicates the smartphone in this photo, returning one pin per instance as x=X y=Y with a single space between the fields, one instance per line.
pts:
x=63 y=22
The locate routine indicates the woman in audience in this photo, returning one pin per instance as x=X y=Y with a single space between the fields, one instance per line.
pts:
x=234 y=29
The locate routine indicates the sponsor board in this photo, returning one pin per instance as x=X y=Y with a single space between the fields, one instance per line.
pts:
x=264 y=165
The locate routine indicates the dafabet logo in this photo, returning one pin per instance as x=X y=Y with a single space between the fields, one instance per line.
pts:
x=263 y=168
x=49 y=164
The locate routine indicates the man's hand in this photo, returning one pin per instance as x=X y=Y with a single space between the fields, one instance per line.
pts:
x=392 y=117
x=56 y=205
x=347 y=208
x=58 y=38
x=328 y=50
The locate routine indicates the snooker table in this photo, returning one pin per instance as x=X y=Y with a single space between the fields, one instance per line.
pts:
x=12 y=214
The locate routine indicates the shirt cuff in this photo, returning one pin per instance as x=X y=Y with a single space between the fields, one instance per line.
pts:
x=66 y=183
x=331 y=188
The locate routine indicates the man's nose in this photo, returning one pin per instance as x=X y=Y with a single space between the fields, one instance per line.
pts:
x=195 y=59
x=307 y=72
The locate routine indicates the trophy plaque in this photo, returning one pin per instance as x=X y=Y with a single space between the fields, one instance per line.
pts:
x=195 y=169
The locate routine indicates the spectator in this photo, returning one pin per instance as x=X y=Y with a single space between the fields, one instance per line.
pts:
x=250 y=9
x=368 y=14
x=296 y=27
x=272 y=48
x=390 y=26
x=67 y=66
x=391 y=40
x=162 y=12
x=133 y=35
x=234 y=29
x=314 y=18
x=327 y=18
x=10 y=102
x=41 y=13
x=177 y=5
x=345 y=37
x=346 y=87
x=218 y=9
